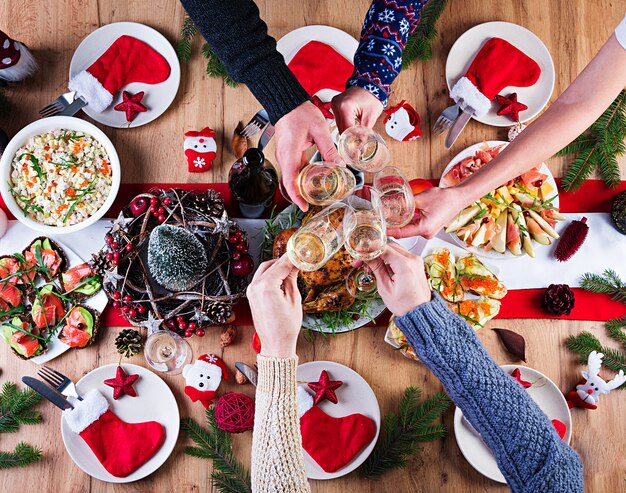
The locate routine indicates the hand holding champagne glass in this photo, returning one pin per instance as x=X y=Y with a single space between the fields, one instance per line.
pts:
x=363 y=149
x=323 y=183
x=396 y=196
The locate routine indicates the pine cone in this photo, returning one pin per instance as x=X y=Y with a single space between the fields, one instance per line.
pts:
x=558 y=299
x=208 y=202
x=99 y=263
x=129 y=342
x=219 y=312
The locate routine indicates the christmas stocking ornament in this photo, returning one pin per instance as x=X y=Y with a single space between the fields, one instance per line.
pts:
x=402 y=122
x=200 y=150
x=497 y=65
x=16 y=62
x=203 y=378
x=121 y=447
x=127 y=60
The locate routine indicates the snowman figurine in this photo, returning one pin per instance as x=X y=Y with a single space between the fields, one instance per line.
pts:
x=402 y=122
x=200 y=150
x=203 y=378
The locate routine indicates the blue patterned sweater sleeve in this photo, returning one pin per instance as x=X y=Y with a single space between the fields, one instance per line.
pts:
x=528 y=450
x=386 y=29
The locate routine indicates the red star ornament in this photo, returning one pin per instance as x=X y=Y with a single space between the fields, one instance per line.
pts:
x=325 y=388
x=131 y=105
x=122 y=384
x=517 y=375
x=510 y=106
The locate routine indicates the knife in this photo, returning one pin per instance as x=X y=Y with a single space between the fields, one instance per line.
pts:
x=457 y=127
x=74 y=107
x=249 y=372
x=47 y=392
x=266 y=136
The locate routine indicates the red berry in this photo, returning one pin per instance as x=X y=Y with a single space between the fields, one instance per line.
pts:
x=129 y=247
x=200 y=332
x=138 y=206
x=109 y=256
x=182 y=325
x=153 y=209
x=171 y=324
x=161 y=210
x=232 y=240
x=116 y=304
x=192 y=326
x=167 y=201
x=141 y=309
x=115 y=245
x=188 y=333
x=116 y=262
x=132 y=313
x=117 y=295
x=236 y=255
x=154 y=201
x=180 y=318
x=161 y=218
x=244 y=251
x=125 y=308
x=108 y=239
x=239 y=246
x=244 y=266
x=127 y=298
x=116 y=255
x=238 y=233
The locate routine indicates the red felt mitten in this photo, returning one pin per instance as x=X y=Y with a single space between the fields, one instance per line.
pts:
x=497 y=65
x=318 y=66
x=127 y=60
x=121 y=447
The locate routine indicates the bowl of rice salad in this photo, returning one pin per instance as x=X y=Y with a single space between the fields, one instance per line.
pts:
x=59 y=175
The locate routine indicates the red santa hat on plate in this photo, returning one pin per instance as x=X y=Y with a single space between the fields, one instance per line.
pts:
x=497 y=65
x=127 y=60
x=16 y=62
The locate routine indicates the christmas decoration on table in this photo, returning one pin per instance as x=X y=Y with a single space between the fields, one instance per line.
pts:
x=128 y=342
x=228 y=475
x=325 y=388
x=332 y=442
x=131 y=105
x=256 y=343
x=618 y=212
x=239 y=143
x=599 y=147
x=214 y=67
x=560 y=427
x=517 y=376
x=16 y=61
x=120 y=447
x=203 y=378
x=558 y=299
x=200 y=150
x=509 y=105
x=418 y=46
x=324 y=107
x=402 y=122
x=608 y=283
x=240 y=378
x=234 y=412
x=228 y=336
x=127 y=60
x=174 y=261
x=498 y=64
x=592 y=386
x=122 y=384
x=514 y=343
x=571 y=240
x=405 y=430
x=16 y=408
x=515 y=131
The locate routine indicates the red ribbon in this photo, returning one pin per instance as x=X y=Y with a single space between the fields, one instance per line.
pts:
x=323 y=107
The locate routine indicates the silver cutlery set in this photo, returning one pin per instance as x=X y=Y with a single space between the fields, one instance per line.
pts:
x=55 y=387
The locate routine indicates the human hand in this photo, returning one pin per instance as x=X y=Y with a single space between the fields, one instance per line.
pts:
x=276 y=307
x=355 y=104
x=435 y=208
x=401 y=279
x=295 y=133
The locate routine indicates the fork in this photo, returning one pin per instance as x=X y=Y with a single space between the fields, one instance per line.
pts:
x=444 y=122
x=59 y=381
x=254 y=126
x=58 y=105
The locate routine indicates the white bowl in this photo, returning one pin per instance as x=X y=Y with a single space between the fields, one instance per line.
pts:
x=40 y=127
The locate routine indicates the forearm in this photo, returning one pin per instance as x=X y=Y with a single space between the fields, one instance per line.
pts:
x=570 y=115
x=497 y=406
x=277 y=460
x=238 y=36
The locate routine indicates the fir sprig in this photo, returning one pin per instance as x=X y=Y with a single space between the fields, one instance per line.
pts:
x=598 y=147
x=229 y=475
x=23 y=455
x=187 y=32
x=404 y=431
x=585 y=342
x=608 y=282
x=616 y=329
x=418 y=45
x=214 y=66
x=16 y=408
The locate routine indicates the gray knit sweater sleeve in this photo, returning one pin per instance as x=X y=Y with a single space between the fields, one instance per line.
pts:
x=528 y=450
x=238 y=36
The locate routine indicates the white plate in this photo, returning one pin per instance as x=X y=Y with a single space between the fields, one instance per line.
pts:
x=354 y=396
x=340 y=40
x=468 y=152
x=42 y=126
x=469 y=43
x=549 y=399
x=154 y=402
x=157 y=98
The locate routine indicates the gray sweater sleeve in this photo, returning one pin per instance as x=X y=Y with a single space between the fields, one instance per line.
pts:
x=528 y=450
x=238 y=36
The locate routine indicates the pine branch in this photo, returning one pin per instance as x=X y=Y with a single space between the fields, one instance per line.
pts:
x=616 y=328
x=403 y=432
x=187 y=32
x=608 y=282
x=23 y=455
x=585 y=342
x=15 y=407
x=214 y=67
x=418 y=45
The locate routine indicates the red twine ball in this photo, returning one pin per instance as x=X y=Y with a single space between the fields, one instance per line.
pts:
x=234 y=412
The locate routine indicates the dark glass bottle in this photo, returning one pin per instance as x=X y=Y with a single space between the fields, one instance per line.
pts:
x=253 y=182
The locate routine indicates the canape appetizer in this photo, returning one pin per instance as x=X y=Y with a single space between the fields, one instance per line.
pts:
x=81 y=282
x=47 y=256
x=23 y=338
x=80 y=327
x=441 y=272
x=47 y=308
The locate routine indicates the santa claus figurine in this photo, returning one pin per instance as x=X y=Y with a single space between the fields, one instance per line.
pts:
x=16 y=62
x=402 y=122
x=200 y=149
x=203 y=378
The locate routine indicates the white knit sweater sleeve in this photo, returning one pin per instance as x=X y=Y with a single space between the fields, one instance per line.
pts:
x=277 y=460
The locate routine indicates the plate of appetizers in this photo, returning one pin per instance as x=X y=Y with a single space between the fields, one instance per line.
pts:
x=50 y=300
x=512 y=220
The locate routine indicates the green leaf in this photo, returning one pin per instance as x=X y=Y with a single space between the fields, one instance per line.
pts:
x=418 y=44
x=23 y=455
x=16 y=407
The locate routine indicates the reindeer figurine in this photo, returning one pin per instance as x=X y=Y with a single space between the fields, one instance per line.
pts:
x=588 y=391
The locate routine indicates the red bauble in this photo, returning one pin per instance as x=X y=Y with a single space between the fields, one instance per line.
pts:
x=138 y=206
x=234 y=412
x=243 y=266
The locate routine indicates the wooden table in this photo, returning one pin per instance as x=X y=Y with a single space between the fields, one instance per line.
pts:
x=573 y=31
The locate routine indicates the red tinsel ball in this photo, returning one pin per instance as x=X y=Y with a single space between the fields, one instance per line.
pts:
x=234 y=412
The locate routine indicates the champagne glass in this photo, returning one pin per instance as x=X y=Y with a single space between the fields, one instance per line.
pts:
x=365 y=240
x=322 y=183
x=396 y=196
x=166 y=351
x=320 y=238
x=363 y=149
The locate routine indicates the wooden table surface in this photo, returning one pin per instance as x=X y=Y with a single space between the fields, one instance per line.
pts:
x=573 y=31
